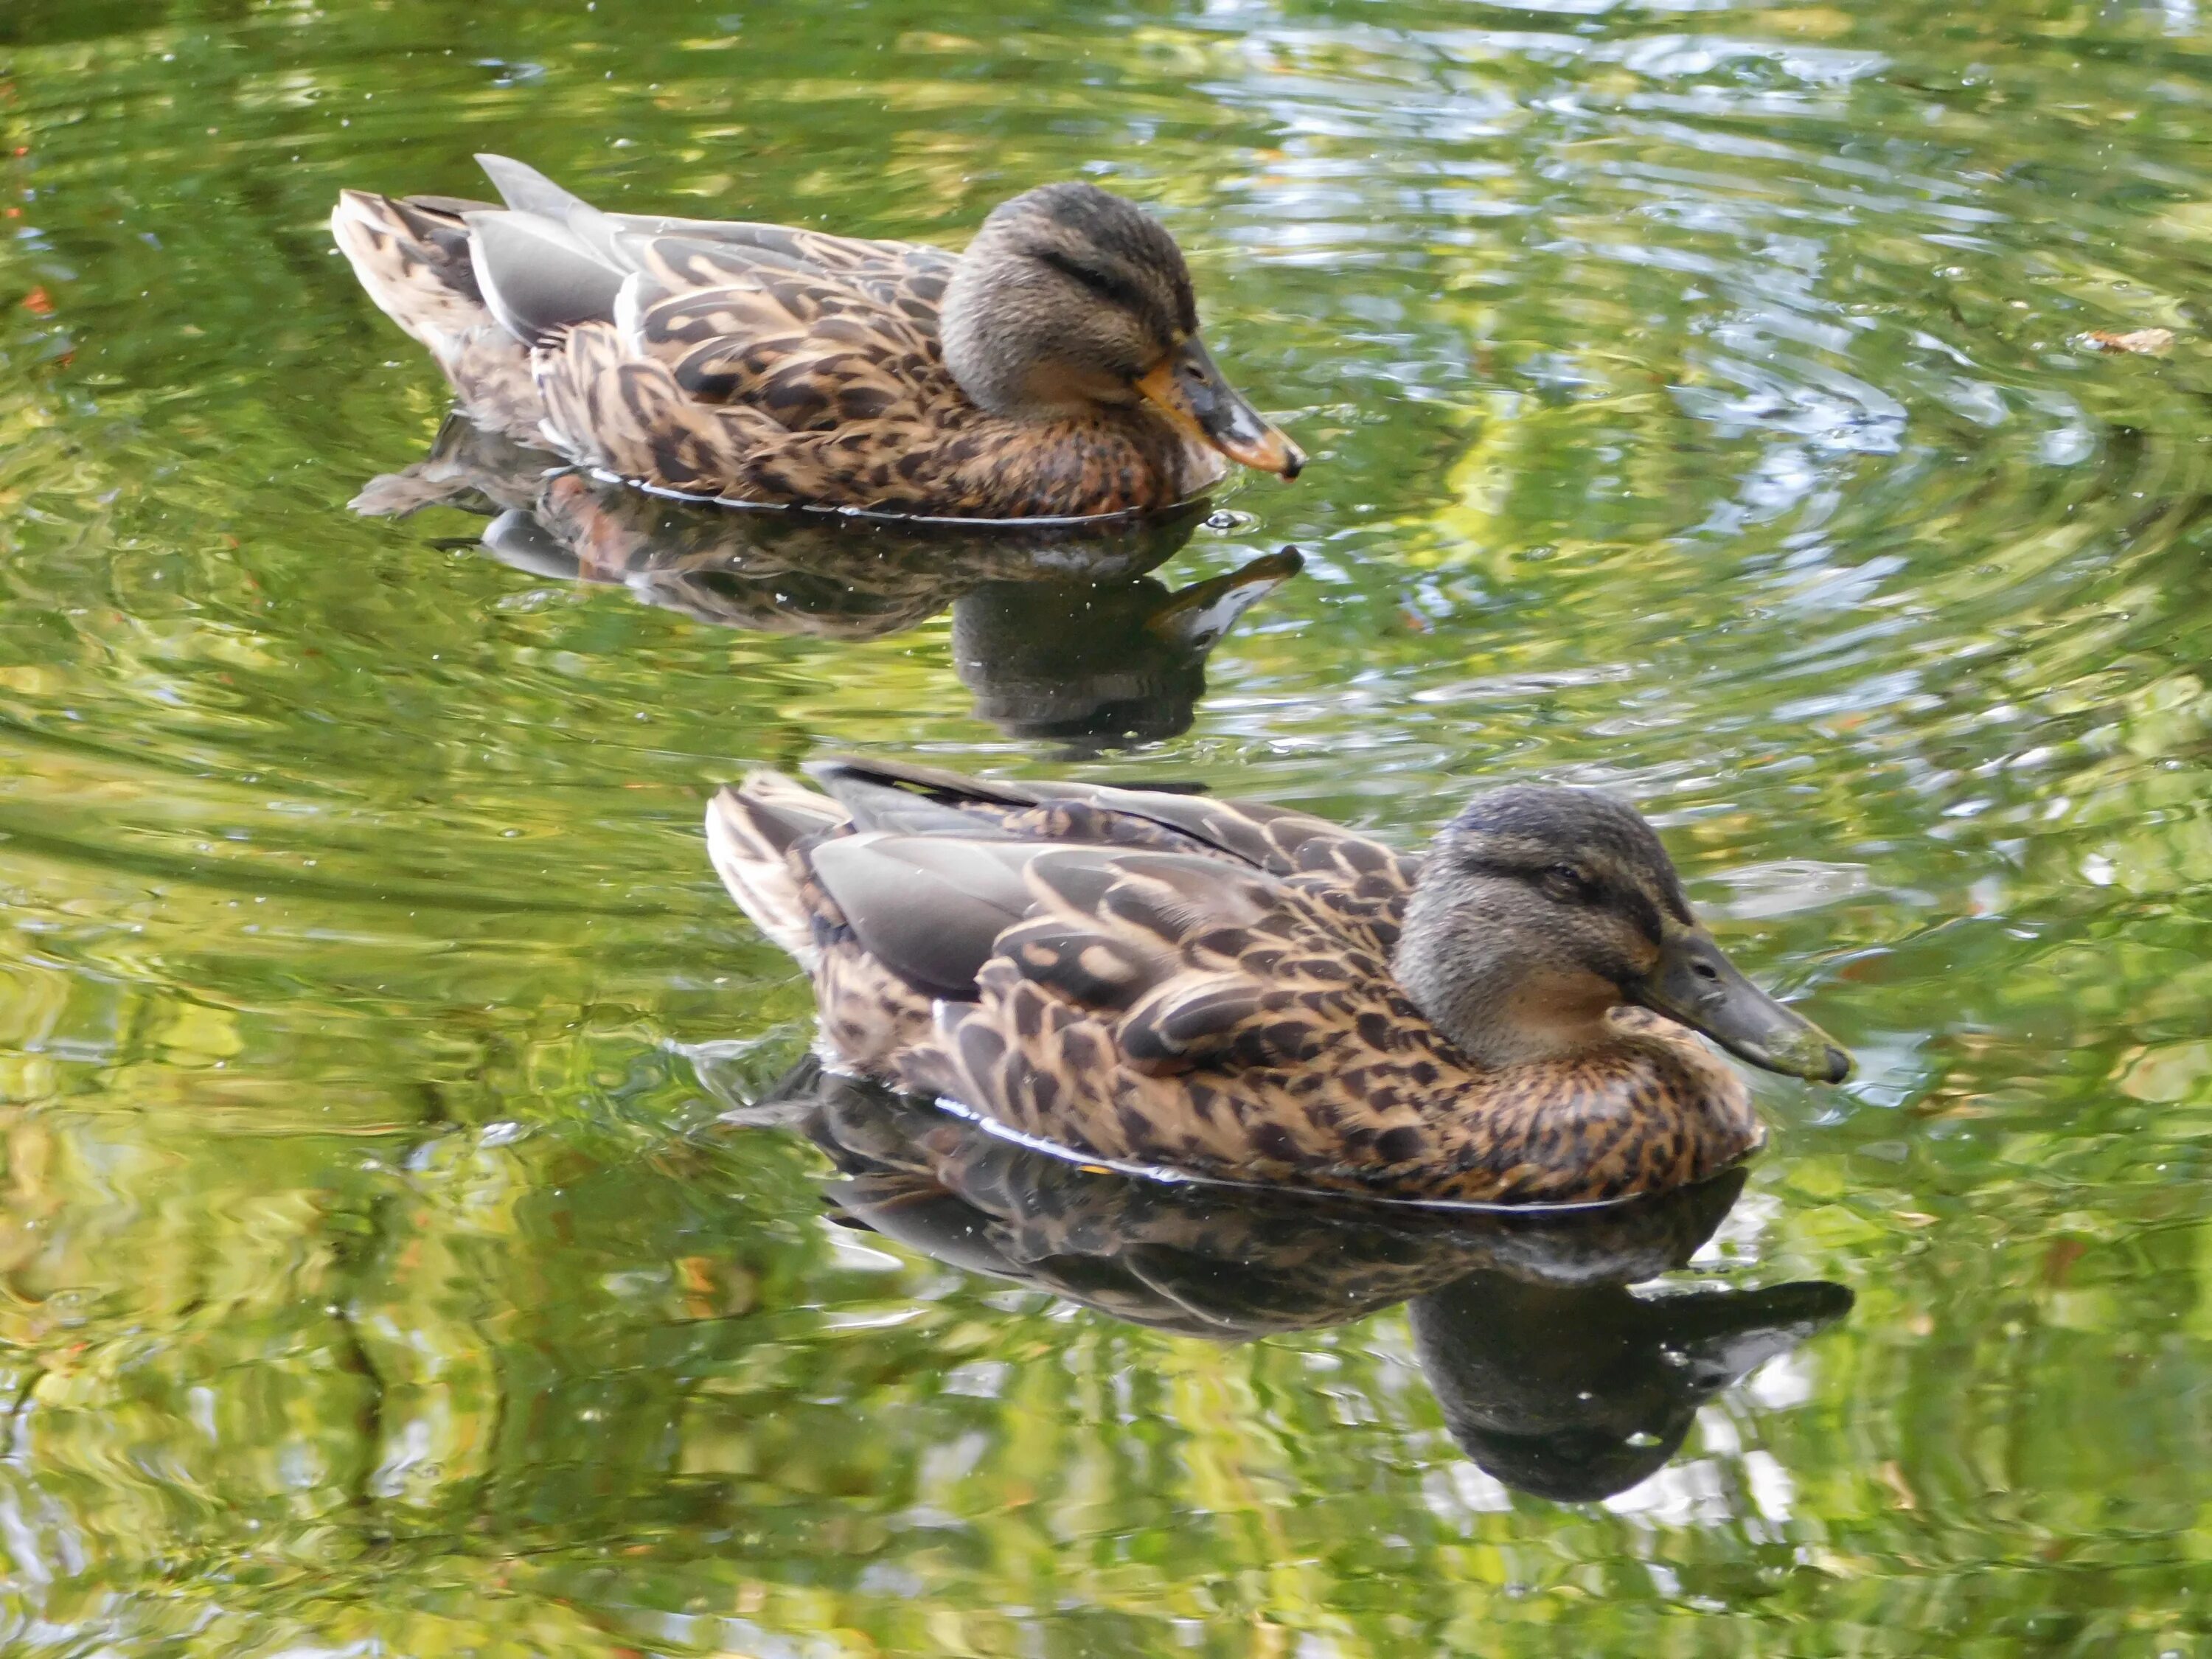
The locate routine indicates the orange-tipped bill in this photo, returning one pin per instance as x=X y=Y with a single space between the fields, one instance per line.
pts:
x=1190 y=387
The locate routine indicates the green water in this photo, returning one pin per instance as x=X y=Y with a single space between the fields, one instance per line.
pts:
x=1697 y=410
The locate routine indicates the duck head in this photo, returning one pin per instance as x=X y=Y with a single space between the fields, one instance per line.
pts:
x=1071 y=298
x=1540 y=909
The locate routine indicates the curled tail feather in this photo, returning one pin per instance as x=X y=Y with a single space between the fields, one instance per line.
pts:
x=751 y=830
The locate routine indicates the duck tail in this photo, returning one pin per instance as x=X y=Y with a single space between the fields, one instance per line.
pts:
x=412 y=256
x=756 y=833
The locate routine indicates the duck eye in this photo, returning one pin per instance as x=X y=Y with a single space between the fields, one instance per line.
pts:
x=1564 y=881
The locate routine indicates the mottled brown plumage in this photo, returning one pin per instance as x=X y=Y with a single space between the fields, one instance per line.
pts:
x=1053 y=369
x=1253 y=995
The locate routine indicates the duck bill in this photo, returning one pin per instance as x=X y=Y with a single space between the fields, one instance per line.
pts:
x=1190 y=389
x=1694 y=984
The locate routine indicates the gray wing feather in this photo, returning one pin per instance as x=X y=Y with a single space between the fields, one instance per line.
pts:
x=876 y=806
x=552 y=259
x=620 y=240
x=634 y=234
x=941 y=785
x=929 y=908
x=535 y=277
x=531 y=194
x=526 y=189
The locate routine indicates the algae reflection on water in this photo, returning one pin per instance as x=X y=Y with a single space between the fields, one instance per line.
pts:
x=1699 y=409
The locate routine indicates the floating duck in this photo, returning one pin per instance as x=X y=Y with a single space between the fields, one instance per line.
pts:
x=1053 y=369
x=1239 y=992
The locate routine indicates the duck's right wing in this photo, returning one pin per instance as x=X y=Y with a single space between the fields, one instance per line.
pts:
x=1173 y=952
x=623 y=241
x=1187 y=962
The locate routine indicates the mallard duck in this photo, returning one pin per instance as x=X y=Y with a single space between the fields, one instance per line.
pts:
x=1053 y=369
x=1242 y=993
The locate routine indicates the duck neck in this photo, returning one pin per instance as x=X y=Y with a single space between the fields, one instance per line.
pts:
x=1505 y=1004
x=999 y=343
x=990 y=382
x=1023 y=347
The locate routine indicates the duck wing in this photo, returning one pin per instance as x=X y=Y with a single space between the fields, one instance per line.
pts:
x=814 y=353
x=1183 y=960
x=928 y=908
x=1178 y=1011
x=814 y=330
x=623 y=242
x=1360 y=882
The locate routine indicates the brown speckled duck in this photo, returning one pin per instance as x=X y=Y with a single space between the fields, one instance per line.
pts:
x=1053 y=369
x=1248 y=994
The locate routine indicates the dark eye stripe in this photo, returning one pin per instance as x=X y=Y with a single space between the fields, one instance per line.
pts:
x=1535 y=874
x=1104 y=283
x=1631 y=900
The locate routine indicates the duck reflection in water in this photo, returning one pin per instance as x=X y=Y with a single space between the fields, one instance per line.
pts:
x=1056 y=629
x=1552 y=1376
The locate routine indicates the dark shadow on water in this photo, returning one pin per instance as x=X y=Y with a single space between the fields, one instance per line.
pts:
x=1552 y=1376
x=1057 y=629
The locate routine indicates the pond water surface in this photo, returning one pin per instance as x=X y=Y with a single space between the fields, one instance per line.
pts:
x=393 y=1258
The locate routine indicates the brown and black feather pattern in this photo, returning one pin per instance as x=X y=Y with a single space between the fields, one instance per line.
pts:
x=1205 y=985
x=753 y=363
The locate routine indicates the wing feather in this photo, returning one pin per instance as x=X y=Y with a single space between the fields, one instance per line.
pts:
x=929 y=908
x=812 y=354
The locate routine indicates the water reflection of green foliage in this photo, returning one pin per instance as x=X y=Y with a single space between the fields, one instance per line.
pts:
x=1926 y=721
